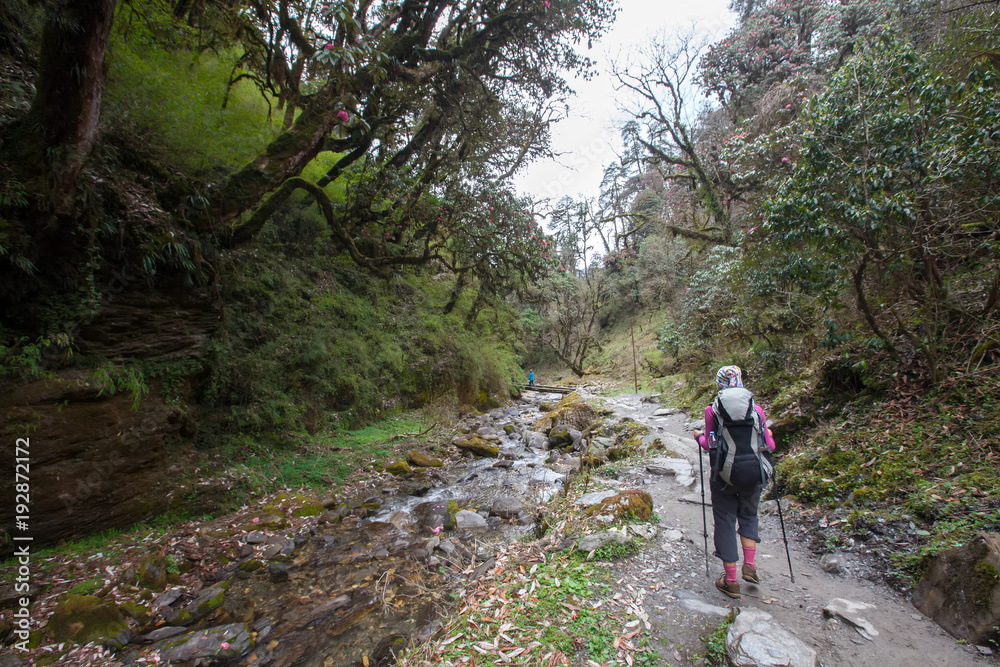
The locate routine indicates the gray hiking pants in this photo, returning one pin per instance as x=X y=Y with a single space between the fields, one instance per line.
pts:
x=728 y=507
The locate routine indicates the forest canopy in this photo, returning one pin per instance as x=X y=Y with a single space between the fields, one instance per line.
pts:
x=420 y=113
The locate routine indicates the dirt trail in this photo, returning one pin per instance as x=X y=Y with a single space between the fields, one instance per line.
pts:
x=683 y=604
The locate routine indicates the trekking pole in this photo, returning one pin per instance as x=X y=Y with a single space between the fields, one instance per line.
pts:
x=777 y=499
x=704 y=521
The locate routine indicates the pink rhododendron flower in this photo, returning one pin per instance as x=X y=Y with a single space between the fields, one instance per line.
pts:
x=224 y=645
x=788 y=106
x=784 y=160
x=329 y=47
x=256 y=519
x=343 y=116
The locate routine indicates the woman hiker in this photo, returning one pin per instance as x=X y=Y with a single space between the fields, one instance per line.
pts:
x=732 y=505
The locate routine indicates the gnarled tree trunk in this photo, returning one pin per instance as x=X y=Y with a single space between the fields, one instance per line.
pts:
x=67 y=106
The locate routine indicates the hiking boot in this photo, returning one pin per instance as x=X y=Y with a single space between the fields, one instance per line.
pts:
x=750 y=574
x=729 y=588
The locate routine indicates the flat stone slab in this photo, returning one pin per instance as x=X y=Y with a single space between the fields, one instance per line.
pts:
x=666 y=412
x=644 y=530
x=595 y=541
x=692 y=602
x=850 y=611
x=755 y=640
x=167 y=597
x=695 y=499
x=163 y=633
x=680 y=469
x=588 y=499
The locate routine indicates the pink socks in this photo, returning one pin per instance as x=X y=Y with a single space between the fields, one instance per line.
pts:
x=749 y=553
x=730 y=571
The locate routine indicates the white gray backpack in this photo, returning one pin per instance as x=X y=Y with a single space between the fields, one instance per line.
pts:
x=739 y=455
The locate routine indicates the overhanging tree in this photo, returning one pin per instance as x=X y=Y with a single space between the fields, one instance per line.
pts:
x=895 y=191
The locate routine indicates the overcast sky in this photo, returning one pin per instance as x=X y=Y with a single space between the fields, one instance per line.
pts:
x=589 y=138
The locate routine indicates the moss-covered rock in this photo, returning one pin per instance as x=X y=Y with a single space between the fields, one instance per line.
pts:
x=961 y=590
x=220 y=644
x=85 y=618
x=272 y=521
x=560 y=436
x=306 y=506
x=571 y=412
x=139 y=612
x=421 y=460
x=399 y=468
x=479 y=447
x=179 y=617
x=153 y=572
x=250 y=565
x=632 y=504
x=437 y=515
x=625 y=449
x=210 y=599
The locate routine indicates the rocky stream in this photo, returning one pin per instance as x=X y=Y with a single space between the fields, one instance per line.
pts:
x=357 y=578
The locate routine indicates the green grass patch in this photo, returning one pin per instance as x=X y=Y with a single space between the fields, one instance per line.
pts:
x=325 y=461
x=614 y=551
x=176 y=100
x=715 y=644
x=87 y=587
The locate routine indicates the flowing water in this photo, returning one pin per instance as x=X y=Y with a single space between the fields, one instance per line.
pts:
x=365 y=586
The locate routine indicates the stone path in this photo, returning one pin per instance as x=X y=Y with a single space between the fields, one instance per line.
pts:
x=669 y=581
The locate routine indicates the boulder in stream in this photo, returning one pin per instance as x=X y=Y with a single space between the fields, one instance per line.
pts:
x=572 y=412
x=478 y=446
x=466 y=519
x=399 y=468
x=436 y=516
x=507 y=507
x=417 y=458
x=537 y=440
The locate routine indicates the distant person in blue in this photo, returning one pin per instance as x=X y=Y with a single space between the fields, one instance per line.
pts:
x=531 y=378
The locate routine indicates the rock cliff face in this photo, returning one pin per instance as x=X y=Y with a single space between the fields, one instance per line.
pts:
x=138 y=324
x=95 y=463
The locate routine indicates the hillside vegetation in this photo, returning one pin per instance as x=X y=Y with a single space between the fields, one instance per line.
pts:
x=829 y=224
